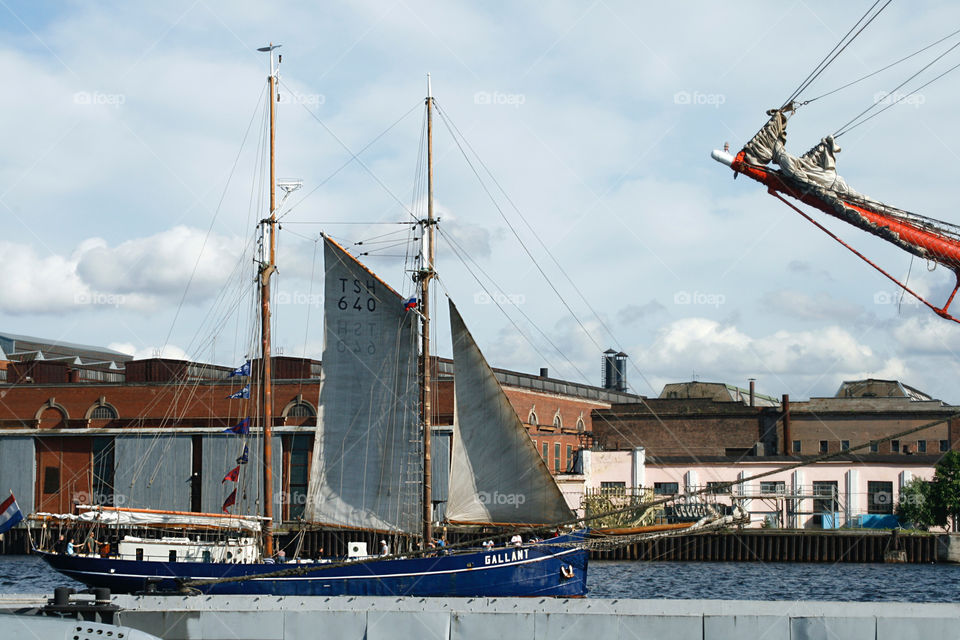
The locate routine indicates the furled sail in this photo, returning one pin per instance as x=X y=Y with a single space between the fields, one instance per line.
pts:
x=366 y=452
x=496 y=474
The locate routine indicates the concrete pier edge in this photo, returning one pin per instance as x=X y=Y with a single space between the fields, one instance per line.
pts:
x=290 y=618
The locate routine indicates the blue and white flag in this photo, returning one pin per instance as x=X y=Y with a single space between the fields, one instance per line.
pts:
x=243 y=394
x=242 y=370
x=245 y=456
x=10 y=514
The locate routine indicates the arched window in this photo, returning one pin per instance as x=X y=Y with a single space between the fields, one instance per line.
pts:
x=103 y=412
x=301 y=410
x=557 y=422
x=532 y=418
x=581 y=427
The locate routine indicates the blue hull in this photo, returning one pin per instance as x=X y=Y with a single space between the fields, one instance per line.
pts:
x=533 y=570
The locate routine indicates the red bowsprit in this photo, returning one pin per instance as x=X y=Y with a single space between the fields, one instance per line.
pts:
x=923 y=237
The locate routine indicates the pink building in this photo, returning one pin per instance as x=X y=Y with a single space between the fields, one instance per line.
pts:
x=821 y=495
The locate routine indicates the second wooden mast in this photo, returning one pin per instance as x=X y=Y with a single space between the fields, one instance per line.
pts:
x=426 y=274
x=267 y=267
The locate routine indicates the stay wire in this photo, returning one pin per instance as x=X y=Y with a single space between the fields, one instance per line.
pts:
x=834 y=53
x=850 y=127
x=889 y=66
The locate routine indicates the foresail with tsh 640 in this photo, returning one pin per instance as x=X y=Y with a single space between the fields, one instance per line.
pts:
x=367 y=439
x=496 y=474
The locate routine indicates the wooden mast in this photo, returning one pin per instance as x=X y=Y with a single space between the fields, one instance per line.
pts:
x=426 y=274
x=267 y=267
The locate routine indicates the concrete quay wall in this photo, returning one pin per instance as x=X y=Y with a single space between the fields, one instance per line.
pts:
x=373 y=618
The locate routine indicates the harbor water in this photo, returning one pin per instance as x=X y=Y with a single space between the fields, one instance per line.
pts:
x=677 y=580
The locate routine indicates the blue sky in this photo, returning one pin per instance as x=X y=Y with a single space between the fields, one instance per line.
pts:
x=123 y=123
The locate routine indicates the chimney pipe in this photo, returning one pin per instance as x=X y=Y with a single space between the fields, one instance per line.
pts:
x=785 y=405
x=544 y=372
x=753 y=392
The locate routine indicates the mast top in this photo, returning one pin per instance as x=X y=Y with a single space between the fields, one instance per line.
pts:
x=429 y=88
x=270 y=48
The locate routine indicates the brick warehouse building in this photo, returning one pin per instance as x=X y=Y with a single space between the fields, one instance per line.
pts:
x=695 y=420
x=81 y=424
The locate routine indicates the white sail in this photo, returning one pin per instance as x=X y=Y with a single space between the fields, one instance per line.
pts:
x=496 y=474
x=366 y=453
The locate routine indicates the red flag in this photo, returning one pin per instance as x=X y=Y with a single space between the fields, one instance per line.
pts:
x=233 y=475
x=230 y=501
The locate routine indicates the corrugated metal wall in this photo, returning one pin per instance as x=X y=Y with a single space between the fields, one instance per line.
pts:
x=152 y=472
x=440 y=466
x=17 y=470
x=220 y=453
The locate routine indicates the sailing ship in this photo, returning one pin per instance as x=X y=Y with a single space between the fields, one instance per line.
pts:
x=374 y=408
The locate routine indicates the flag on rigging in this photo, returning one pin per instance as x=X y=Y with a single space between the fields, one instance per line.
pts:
x=241 y=428
x=410 y=304
x=245 y=456
x=233 y=475
x=242 y=370
x=230 y=501
x=242 y=394
x=10 y=514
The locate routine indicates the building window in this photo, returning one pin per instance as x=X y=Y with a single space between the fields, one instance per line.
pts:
x=546 y=452
x=557 y=422
x=879 y=497
x=921 y=446
x=823 y=446
x=51 y=479
x=844 y=445
x=581 y=427
x=301 y=450
x=944 y=446
x=796 y=446
x=569 y=457
x=103 y=470
x=826 y=504
x=773 y=487
x=894 y=446
x=556 y=456
x=103 y=412
x=874 y=447
x=532 y=418
x=613 y=488
x=666 y=488
x=301 y=410
x=717 y=488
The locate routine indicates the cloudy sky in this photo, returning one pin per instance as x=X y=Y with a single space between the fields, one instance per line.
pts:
x=131 y=179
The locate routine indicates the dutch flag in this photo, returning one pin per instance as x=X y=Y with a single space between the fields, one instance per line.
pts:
x=10 y=514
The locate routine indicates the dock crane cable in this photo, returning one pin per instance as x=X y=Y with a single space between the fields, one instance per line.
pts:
x=835 y=52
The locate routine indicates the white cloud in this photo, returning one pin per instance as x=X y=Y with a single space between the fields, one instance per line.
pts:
x=139 y=275
x=170 y=351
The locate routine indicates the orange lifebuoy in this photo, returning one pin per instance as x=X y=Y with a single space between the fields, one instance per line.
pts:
x=566 y=571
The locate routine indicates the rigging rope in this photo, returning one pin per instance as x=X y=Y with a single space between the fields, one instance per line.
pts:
x=830 y=57
x=889 y=66
x=850 y=127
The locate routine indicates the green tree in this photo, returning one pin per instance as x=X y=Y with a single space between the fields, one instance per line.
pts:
x=916 y=505
x=945 y=493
